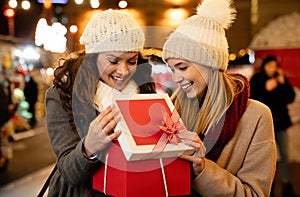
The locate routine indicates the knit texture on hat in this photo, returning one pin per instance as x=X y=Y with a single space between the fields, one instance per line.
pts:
x=201 y=38
x=112 y=30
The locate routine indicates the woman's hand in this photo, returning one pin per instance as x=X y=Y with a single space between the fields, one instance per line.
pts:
x=271 y=84
x=99 y=134
x=192 y=139
x=280 y=77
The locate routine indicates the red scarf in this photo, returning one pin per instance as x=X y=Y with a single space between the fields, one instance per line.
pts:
x=220 y=135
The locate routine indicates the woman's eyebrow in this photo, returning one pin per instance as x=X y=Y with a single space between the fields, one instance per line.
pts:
x=117 y=57
x=134 y=57
x=111 y=55
x=178 y=64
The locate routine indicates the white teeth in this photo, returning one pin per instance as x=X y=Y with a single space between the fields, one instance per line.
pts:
x=118 y=78
x=185 y=86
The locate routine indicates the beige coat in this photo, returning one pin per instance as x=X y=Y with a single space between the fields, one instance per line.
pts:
x=247 y=164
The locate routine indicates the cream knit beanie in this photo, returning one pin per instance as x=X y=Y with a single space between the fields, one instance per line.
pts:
x=201 y=38
x=112 y=30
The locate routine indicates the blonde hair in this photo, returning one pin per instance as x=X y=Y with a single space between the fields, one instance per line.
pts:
x=202 y=115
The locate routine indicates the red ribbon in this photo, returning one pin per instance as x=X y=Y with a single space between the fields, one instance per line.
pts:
x=171 y=127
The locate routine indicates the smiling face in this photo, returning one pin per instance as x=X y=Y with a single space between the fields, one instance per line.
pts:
x=192 y=78
x=117 y=68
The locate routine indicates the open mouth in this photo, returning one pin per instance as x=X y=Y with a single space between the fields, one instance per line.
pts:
x=118 y=79
x=186 y=86
x=119 y=82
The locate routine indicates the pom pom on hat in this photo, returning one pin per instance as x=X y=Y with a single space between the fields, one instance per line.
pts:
x=224 y=12
x=112 y=30
x=201 y=38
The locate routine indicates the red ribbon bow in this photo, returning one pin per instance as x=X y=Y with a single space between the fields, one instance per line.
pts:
x=171 y=127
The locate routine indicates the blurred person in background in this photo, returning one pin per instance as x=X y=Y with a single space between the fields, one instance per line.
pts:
x=271 y=86
x=31 y=96
x=8 y=86
x=4 y=117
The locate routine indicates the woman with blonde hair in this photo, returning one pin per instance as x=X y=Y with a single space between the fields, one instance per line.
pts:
x=232 y=134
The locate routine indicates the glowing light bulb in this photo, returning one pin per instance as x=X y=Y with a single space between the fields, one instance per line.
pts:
x=123 y=4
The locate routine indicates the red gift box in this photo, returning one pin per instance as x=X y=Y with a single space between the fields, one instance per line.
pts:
x=143 y=122
x=148 y=178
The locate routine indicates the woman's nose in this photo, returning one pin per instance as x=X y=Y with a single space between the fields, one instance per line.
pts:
x=123 y=68
x=177 y=78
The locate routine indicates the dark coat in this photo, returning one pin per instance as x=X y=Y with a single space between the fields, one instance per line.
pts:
x=4 y=111
x=277 y=99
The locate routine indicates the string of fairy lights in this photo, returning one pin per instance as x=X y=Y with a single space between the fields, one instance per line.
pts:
x=57 y=31
x=26 y=4
x=47 y=33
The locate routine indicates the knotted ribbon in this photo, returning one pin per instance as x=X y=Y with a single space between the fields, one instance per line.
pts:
x=170 y=129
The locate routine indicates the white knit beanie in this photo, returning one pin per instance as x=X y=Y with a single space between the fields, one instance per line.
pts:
x=201 y=38
x=112 y=30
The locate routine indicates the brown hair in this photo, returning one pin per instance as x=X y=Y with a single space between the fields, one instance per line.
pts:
x=64 y=76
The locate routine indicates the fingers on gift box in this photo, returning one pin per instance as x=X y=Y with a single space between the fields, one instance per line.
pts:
x=144 y=161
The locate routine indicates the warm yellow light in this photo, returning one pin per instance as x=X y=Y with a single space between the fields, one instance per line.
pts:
x=177 y=14
x=242 y=52
x=13 y=3
x=47 y=4
x=73 y=29
x=177 y=2
x=49 y=71
x=174 y=17
x=52 y=37
x=78 y=2
x=25 y=5
x=95 y=4
x=123 y=4
x=232 y=57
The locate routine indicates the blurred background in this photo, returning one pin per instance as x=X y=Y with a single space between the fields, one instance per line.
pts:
x=34 y=34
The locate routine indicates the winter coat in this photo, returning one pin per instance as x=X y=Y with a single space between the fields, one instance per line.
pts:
x=247 y=164
x=277 y=99
x=73 y=177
